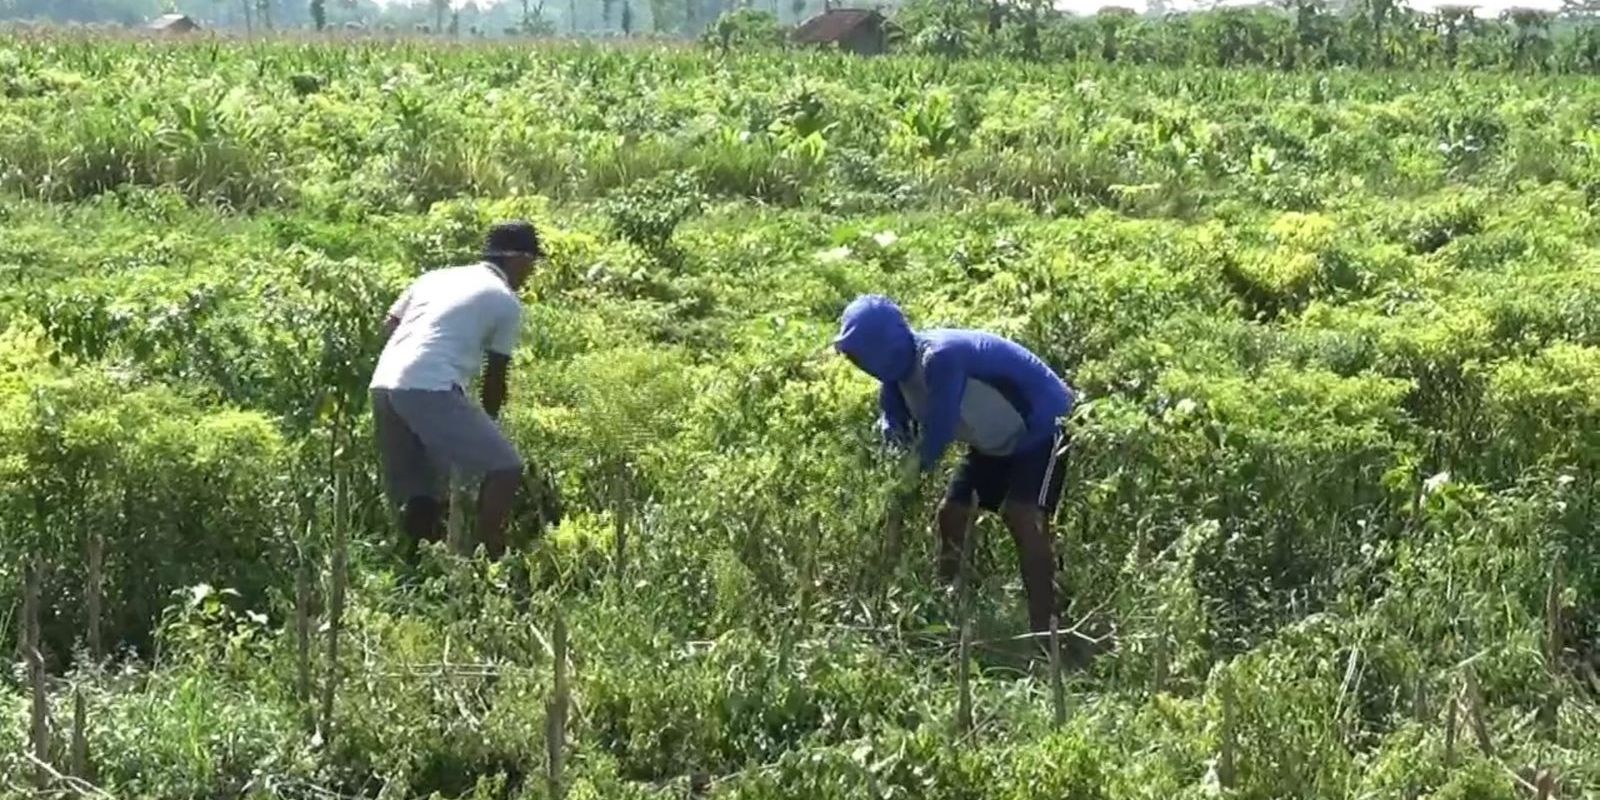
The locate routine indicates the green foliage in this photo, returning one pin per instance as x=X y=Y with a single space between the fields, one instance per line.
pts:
x=1334 y=331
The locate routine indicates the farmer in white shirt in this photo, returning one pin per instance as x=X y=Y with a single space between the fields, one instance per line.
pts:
x=437 y=335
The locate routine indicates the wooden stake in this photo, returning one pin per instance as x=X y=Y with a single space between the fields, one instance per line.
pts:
x=1552 y=613
x=893 y=526
x=1057 y=685
x=302 y=635
x=1545 y=784
x=556 y=713
x=1550 y=711
x=1159 y=679
x=1475 y=714
x=92 y=589
x=964 y=680
x=335 y=604
x=457 y=538
x=40 y=728
x=80 y=736
x=1227 y=762
x=968 y=546
x=1452 y=709
x=620 y=521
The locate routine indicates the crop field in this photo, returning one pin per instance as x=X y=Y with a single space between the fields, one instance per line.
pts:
x=1329 y=527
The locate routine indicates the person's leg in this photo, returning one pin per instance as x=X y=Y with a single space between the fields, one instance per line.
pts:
x=977 y=477
x=459 y=433
x=410 y=477
x=495 y=496
x=1035 y=486
x=952 y=520
x=423 y=519
x=1036 y=559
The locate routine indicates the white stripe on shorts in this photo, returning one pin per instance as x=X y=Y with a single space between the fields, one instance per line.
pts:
x=1050 y=469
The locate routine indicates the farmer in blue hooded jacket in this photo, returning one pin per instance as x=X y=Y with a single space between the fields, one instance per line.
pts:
x=944 y=385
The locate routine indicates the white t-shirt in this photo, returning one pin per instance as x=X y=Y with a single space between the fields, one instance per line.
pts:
x=448 y=318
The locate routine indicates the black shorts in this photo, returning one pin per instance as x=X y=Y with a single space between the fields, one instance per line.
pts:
x=1033 y=478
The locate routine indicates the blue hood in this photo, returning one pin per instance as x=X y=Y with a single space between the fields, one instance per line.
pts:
x=875 y=335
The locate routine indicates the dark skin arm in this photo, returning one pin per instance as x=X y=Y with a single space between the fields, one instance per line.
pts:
x=494 y=383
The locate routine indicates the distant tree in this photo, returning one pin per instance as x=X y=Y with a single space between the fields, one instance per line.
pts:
x=319 y=14
x=1531 y=45
x=1454 y=19
x=1580 y=9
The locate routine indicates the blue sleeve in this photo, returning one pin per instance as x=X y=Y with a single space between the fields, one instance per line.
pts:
x=946 y=375
x=896 y=421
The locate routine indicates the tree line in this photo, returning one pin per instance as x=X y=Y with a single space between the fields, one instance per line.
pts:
x=1284 y=34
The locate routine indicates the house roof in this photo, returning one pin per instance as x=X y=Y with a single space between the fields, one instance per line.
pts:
x=174 y=21
x=835 y=25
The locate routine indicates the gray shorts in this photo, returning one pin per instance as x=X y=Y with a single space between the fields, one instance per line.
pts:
x=424 y=435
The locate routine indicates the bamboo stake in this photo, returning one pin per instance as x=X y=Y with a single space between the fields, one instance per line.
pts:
x=964 y=680
x=40 y=736
x=335 y=605
x=556 y=713
x=1057 y=686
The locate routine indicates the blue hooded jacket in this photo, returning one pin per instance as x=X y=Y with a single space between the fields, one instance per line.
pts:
x=963 y=381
